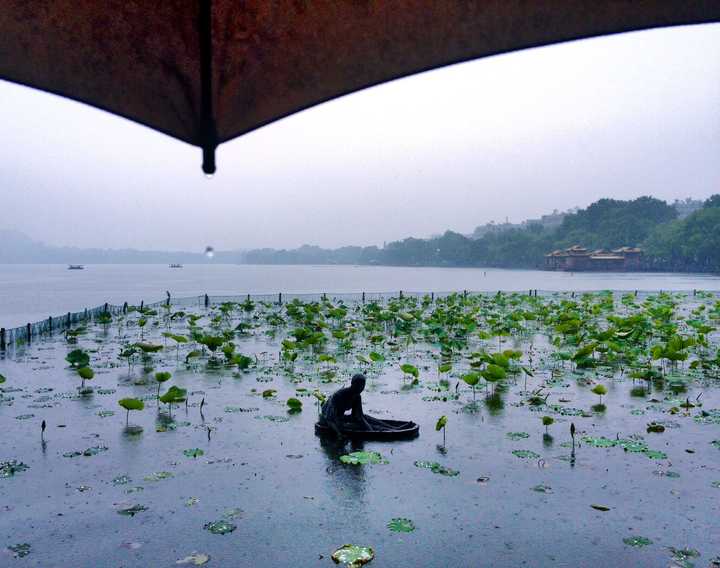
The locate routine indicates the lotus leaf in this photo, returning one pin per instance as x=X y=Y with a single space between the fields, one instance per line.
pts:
x=353 y=556
x=363 y=458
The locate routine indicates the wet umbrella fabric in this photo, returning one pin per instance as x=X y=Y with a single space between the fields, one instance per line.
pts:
x=207 y=71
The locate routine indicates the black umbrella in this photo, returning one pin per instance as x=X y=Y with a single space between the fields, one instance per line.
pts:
x=207 y=71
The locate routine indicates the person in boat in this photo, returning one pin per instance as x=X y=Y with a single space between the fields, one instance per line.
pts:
x=334 y=409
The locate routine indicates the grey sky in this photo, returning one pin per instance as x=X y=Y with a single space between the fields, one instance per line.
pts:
x=516 y=135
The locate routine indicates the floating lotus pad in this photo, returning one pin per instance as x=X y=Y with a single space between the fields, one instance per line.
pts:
x=231 y=409
x=435 y=467
x=634 y=446
x=708 y=417
x=515 y=436
x=95 y=450
x=121 y=480
x=132 y=510
x=221 y=526
x=158 y=476
x=195 y=559
x=681 y=556
x=11 y=467
x=637 y=541
x=525 y=454
x=401 y=524
x=19 y=550
x=353 y=556
x=363 y=458
x=273 y=418
x=193 y=453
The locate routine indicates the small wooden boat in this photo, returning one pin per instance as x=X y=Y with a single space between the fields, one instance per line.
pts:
x=176 y=265
x=76 y=267
x=401 y=430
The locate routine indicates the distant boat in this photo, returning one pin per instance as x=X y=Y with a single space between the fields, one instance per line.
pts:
x=175 y=265
x=76 y=267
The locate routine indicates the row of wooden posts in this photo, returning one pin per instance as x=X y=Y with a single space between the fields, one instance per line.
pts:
x=63 y=322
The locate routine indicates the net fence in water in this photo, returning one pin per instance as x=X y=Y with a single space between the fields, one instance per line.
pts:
x=61 y=323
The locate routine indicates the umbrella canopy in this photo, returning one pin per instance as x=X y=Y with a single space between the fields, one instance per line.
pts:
x=207 y=71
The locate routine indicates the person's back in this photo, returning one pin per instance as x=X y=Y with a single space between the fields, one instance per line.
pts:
x=333 y=410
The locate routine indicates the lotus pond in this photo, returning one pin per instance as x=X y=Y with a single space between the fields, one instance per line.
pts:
x=557 y=430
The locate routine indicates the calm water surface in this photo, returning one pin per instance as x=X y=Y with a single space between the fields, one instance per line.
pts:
x=33 y=292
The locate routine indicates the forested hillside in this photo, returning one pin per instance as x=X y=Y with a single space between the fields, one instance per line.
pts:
x=692 y=244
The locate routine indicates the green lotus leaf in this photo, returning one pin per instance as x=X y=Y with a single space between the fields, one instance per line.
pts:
x=515 y=436
x=441 y=423
x=78 y=358
x=525 y=454
x=637 y=541
x=193 y=453
x=353 y=556
x=221 y=526
x=163 y=376
x=174 y=395
x=11 y=467
x=20 y=550
x=400 y=524
x=194 y=559
x=410 y=370
x=437 y=468
x=131 y=403
x=363 y=458
x=86 y=373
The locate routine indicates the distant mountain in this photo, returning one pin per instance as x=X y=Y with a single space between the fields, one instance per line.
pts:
x=18 y=248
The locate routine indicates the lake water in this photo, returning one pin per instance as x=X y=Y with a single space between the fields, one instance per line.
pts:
x=33 y=292
x=497 y=489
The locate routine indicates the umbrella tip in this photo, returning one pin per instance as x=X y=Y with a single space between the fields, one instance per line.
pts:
x=208 y=165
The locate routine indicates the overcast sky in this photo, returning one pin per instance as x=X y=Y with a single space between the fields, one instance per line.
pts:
x=511 y=136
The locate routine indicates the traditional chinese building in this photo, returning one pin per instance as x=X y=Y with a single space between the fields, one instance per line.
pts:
x=577 y=258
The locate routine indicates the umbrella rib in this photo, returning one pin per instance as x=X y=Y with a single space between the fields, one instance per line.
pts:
x=208 y=133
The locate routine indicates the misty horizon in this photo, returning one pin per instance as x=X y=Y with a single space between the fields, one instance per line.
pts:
x=513 y=136
x=16 y=236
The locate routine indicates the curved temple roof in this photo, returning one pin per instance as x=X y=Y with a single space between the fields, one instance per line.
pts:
x=207 y=71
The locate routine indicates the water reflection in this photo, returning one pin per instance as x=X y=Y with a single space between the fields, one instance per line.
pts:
x=348 y=481
x=495 y=404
